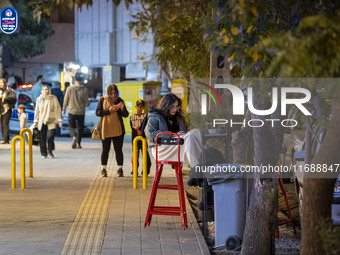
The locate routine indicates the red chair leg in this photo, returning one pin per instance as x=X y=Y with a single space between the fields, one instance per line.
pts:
x=181 y=196
x=167 y=210
x=152 y=200
x=287 y=205
x=277 y=232
x=290 y=219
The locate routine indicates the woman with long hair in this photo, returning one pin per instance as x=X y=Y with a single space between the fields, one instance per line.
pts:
x=7 y=102
x=46 y=115
x=169 y=117
x=111 y=109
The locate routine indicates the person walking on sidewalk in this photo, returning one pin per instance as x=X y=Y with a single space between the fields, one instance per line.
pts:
x=76 y=99
x=46 y=115
x=56 y=90
x=111 y=109
x=135 y=122
x=7 y=102
x=36 y=90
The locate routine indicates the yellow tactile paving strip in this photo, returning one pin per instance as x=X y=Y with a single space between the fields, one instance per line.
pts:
x=86 y=235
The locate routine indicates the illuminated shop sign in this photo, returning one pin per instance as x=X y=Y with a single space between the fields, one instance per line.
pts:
x=9 y=20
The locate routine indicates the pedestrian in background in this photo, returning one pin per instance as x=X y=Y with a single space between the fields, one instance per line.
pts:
x=7 y=101
x=76 y=99
x=111 y=109
x=135 y=122
x=36 y=90
x=23 y=119
x=56 y=90
x=66 y=85
x=46 y=115
x=11 y=83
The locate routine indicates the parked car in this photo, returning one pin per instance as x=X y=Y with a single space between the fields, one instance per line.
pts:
x=91 y=119
x=24 y=96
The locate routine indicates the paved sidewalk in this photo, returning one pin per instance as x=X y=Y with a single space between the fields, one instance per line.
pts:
x=67 y=208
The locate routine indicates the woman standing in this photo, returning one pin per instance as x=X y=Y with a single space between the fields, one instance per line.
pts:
x=169 y=117
x=7 y=102
x=111 y=109
x=46 y=115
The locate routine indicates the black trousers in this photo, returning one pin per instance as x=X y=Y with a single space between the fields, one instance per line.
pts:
x=58 y=130
x=140 y=149
x=5 y=125
x=46 y=136
x=76 y=121
x=118 y=147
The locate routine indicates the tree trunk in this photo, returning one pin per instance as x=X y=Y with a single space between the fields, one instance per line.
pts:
x=242 y=145
x=261 y=221
x=317 y=200
x=318 y=193
x=259 y=233
x=258 y=237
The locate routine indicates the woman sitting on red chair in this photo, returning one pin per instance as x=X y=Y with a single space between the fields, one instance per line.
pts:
x=169 y=117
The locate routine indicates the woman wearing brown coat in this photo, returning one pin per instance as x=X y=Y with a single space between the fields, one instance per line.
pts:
x=111 y=109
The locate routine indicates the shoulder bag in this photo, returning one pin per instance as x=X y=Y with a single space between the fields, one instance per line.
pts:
x=97 y=130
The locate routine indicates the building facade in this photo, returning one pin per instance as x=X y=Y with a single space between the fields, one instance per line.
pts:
x=103 y=40
x=96 y=39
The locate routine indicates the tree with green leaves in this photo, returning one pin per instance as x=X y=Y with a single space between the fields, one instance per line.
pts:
x=175 y=26
x=283 y=39
x=258 y=39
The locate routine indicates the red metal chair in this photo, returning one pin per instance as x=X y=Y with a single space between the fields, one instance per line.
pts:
x=167 y=210
x=290 y=218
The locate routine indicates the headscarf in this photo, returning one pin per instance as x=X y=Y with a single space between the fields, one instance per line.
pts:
x=49 y=96
x=47 y=110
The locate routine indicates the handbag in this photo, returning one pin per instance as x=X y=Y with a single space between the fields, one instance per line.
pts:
x=96 y=131
x=35 y=134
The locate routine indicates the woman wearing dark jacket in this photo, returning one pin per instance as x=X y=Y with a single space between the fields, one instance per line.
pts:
x=111 y=109
x=7 y=102
x=169 y=117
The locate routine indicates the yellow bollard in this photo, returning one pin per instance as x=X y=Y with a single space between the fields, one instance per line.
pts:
x=145 y=172
x=22 y=158
x=30 y=150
